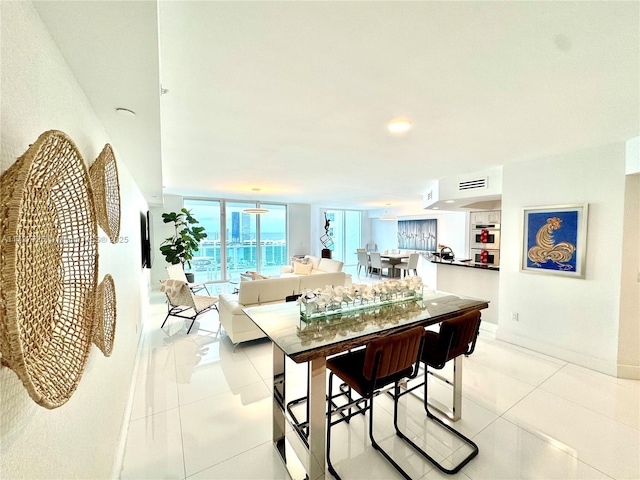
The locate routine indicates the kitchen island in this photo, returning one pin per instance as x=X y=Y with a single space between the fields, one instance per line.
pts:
x=467 y=264
x=469 y=279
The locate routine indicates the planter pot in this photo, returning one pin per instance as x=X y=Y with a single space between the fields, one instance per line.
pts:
x=190 y=277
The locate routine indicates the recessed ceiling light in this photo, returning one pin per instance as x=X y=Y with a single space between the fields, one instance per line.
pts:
x=125 y=112
x=399 y=125
x=435 y=208
x=449 y=201
x=386 y=216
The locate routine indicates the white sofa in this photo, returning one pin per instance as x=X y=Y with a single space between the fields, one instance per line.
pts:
x=241 y=328
x=310 y=265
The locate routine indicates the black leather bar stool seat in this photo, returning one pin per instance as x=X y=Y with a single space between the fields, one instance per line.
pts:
x=368 y=371
x=456 y=337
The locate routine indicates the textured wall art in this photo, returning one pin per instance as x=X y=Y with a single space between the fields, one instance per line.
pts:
x=106 y=191
x=49 y=268
x=418 y=234
x=105 y=315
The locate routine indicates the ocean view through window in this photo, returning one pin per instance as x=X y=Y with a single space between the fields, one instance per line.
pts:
x=238 y=242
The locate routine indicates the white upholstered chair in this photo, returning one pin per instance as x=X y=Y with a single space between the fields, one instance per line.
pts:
x=411 y=265
x=378 y=264
x=363 y=261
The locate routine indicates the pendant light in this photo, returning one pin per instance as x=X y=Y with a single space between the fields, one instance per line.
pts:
x=257 y=210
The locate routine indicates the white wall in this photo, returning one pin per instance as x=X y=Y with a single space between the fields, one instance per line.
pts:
x=316 y=229
x=160 y=231
x=299 y=218
x=633 y=156
x=572 y=319
x=629 y=330
x=82 y=438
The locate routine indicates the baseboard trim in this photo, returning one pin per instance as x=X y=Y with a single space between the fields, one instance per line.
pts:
x=632 y=372
x=124 y=428
x=599 y=365
x=489 y=329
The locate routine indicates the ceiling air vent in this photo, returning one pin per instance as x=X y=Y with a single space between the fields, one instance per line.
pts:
x=477 y=184
x=430 y=195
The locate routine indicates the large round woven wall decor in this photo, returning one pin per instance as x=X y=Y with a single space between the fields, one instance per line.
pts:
x=105 y=315
x=49 y=268
x=106 y=191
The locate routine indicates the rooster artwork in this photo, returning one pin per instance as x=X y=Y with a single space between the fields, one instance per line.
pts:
x=547 y=250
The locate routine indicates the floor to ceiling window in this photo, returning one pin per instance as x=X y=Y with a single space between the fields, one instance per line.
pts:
x=273 y=239
x=249 y=242
x=207 y=262
x=345 y=230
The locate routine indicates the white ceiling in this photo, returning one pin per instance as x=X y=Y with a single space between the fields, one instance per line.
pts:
x=294 y=97
x=112 y=49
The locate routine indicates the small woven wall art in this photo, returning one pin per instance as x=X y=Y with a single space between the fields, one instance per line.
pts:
x=106 y=192
x=49 y=268
x=105 y=315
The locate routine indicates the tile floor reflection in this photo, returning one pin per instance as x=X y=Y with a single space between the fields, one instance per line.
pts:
x=202 y=410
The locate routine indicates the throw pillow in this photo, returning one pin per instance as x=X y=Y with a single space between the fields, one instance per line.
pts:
x=255 y=275
x=302 y=268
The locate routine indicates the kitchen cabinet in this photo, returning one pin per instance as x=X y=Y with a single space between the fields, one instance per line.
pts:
x=485 y=217
x=494 y=216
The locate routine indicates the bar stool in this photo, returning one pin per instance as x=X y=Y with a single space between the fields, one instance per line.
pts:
x=456 y=337
x=384 y=361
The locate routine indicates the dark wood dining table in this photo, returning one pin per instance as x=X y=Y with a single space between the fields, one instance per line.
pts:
x=313 y=341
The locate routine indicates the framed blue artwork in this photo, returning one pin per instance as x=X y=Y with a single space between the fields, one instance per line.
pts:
x=555 y=240
x=418 y=235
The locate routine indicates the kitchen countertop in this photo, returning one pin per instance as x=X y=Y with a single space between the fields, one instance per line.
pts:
x=469 y=264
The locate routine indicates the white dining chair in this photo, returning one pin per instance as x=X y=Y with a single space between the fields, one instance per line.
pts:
x=378 y=264
x=411 y=265
x=363 y=261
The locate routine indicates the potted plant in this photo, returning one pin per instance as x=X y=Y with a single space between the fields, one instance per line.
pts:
x=180 y=247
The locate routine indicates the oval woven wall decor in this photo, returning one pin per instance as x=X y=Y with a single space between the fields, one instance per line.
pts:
x=106 y=192
x=49 y=268
x=105 y=315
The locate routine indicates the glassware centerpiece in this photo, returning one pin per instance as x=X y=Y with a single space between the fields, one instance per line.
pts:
x=329 y=301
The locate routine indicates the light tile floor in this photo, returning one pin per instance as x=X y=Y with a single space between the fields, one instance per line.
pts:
x=203 y=411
